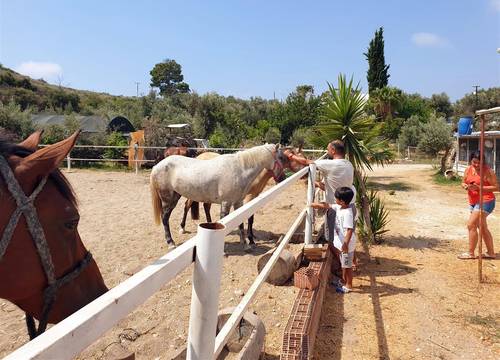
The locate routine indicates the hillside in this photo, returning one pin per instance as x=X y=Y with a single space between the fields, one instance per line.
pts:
x=40 y=95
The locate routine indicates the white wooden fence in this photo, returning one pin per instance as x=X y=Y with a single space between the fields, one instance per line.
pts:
x=72 y=335
x=70 y=159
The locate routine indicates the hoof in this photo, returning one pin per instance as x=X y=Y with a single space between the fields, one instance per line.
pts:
x=247 y=248
x=182 y=231
x=171 y=246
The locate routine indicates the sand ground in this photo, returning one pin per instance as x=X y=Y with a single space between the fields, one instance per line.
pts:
x=413 y=298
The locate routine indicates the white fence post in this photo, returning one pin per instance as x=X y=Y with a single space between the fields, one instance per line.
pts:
x=68 y=161
x=310 y=198
x=136 y=162
x=205 y=295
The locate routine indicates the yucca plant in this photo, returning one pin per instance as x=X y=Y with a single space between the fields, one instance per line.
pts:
x=344 y=118
x=379 y=218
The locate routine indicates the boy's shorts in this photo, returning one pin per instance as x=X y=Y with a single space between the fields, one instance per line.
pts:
x=346 y=260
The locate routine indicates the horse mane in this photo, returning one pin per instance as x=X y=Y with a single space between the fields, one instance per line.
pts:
x=256 y=155
x=8 y=149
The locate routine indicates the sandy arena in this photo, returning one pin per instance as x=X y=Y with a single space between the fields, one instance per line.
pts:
x=413 y=299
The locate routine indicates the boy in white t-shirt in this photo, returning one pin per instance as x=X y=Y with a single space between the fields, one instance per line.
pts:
x=344 y=235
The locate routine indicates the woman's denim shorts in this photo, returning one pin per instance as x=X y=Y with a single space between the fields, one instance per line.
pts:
x=487 y=206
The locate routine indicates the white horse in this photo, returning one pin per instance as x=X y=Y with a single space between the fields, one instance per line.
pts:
x=224 y=180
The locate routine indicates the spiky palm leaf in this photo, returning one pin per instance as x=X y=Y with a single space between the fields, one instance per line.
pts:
x=344 y=118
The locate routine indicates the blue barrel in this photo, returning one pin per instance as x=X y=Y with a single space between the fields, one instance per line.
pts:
x=465 y=125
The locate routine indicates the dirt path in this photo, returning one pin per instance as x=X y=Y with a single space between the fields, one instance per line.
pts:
x=117 y=226
x=413 y=298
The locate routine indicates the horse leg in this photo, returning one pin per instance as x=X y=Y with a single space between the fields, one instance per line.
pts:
x=207 y=207
x=246 y=247
x=187 y=205
x=167 y=211
x=225 y=208
x=250 y=231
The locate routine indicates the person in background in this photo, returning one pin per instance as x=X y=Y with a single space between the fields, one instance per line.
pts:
x=471 y=183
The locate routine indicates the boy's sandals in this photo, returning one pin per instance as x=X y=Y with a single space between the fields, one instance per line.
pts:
x=488 y=256
x=466 y=256
x=343 y=289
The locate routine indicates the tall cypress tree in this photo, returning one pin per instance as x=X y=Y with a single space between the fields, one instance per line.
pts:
x=377 y=75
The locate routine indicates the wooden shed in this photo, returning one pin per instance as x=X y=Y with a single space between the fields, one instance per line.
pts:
x=467 y=144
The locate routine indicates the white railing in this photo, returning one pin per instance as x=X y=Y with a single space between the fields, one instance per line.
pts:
x=72 y=335
x=69 y=159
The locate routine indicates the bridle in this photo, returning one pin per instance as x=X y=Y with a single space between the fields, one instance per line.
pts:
x=277 y=165
x=26 y=207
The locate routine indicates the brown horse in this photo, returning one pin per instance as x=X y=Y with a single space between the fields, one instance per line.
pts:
x=44 y=267
x=180 y=150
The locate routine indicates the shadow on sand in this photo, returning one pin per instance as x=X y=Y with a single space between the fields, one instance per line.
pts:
x=415 y=242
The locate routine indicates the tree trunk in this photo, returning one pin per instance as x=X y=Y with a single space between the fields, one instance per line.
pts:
x=443 y=160
x=447 y=159
x=365 y=205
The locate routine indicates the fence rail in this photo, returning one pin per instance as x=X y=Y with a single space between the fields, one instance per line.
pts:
x=72 y=335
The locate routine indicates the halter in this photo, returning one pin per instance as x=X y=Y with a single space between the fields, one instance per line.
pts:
x=25 y=206
x=277 y=164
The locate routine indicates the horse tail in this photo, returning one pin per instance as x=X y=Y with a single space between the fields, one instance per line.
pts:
x=195 y=210
x=155 y=196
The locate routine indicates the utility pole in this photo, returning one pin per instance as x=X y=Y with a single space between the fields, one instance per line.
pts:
x=137 y=87
x=475 y=92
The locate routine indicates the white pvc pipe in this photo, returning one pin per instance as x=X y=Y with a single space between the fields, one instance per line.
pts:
x=239 y=311
x=205 y=295
x=310 y=198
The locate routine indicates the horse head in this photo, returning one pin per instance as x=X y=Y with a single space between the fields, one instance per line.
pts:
x=293 y=165
x=279 y=162
x=43 y=262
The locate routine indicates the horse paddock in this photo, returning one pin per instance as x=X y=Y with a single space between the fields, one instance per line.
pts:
x=412 y=299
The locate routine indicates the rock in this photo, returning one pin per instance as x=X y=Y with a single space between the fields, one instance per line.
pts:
x=239 y=292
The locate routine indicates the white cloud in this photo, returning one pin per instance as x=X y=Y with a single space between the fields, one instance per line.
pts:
x=495 y=4
x=424 y=39
x=40 y=70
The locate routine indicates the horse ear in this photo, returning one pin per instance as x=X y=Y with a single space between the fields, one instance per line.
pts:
x=277 y=146
x=301 y=146
x=32 y=141
x=46 y=160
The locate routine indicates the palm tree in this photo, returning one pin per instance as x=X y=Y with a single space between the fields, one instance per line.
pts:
x=385 y=101
x=344 y=118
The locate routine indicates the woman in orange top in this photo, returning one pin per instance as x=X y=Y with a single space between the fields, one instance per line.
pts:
x=471 y=183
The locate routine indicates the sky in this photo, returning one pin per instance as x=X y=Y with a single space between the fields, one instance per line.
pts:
x=252 y=48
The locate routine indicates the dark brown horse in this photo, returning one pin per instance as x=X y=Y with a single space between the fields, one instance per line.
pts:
x=180 y=150
x=44 y=267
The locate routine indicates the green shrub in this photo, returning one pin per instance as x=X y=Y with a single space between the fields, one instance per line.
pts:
x=378 y=217
x=53 y=133
x=115 y=139
x=16 y=121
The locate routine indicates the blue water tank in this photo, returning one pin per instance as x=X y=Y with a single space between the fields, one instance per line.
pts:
x=465 y=125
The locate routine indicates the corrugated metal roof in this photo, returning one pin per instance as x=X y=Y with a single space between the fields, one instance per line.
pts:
x=477 y=134
x=91 y=123
x=178 y=126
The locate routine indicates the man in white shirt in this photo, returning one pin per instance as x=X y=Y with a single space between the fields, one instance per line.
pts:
x=337 y=172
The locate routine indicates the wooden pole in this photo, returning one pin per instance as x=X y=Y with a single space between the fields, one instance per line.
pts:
x=205 y=294
x=310 y=198
x=481 y=215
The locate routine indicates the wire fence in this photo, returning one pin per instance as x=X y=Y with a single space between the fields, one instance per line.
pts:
x=85 y=155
